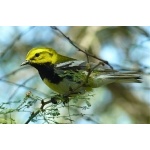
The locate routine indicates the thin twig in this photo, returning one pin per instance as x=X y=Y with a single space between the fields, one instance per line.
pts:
x=90 y=70
x=34 y=114
x=79 y=49
x=15 y=91
x=73 y=91
x=13 y=72
x=4 y=51
x=21 y=85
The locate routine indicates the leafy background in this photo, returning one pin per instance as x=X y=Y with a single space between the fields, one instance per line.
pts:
x=124 y=47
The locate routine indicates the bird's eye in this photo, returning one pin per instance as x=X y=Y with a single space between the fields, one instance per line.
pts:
x=37 y=55
x=51 y=54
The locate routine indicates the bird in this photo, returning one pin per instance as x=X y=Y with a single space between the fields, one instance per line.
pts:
x=65 y=75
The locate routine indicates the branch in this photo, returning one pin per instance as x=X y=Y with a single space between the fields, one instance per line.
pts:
x=79 y=49
x=34 y=114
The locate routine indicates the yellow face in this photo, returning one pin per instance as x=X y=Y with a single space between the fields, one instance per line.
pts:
x=41 y=56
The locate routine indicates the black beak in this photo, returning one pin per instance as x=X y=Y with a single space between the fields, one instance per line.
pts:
x=25 y=63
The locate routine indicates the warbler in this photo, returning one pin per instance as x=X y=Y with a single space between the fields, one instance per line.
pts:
x=67 y=75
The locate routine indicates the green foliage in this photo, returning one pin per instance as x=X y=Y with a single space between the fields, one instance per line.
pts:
x=48 y=113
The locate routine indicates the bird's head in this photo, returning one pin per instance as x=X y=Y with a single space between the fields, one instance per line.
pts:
x=41 y=56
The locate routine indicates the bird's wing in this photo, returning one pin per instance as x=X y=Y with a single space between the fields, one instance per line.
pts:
x=102 y=74
x=77 y=65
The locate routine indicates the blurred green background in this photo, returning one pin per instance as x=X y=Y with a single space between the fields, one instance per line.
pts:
x=124 y=47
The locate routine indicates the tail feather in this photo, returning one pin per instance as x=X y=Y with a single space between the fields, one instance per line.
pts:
x=121 y=77
x=126 y=79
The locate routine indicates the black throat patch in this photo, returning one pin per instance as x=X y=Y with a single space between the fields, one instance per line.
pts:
x=47 y=71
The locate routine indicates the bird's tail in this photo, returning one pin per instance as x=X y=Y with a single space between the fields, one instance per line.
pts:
x=119 y=77
x=125 y=79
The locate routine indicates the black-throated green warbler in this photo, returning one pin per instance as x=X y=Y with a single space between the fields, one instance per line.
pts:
x=64 y=74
